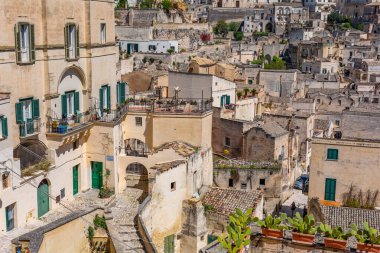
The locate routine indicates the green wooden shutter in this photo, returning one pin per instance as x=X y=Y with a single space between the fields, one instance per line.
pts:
x=108 y=97
x=101 y=101
x=19 y=114
x=64 y=105
x=221 y=101
x=4 y=127
x=66 y=36
x=77 y=42
x=228 y=100
x=17 y=43
x=122 y=92
x=118 y=100
x=332 y=154
x=32 y=49
x=330 y=188
x=35 y=108
x=76 y=102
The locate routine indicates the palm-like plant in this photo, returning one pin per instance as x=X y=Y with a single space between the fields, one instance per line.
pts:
x=365 y=235
x=304 y=225
x=273 y=222
x=335 y=233
x=238 y=231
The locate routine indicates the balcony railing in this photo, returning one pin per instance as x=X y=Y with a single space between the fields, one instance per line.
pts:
x=29 y=127
x=66 y=125
x=137 y=152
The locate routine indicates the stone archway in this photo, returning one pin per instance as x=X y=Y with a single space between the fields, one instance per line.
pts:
x=30 y=152
x=137 y=178
x=268 y=27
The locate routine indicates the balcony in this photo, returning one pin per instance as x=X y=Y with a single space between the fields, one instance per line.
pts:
x=73 y=124
x=29 y=128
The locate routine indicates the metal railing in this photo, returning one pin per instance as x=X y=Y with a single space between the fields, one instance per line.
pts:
x=29 y=127
x=65 y=125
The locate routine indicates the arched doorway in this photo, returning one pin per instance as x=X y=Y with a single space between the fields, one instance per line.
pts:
x=137 y=178
x=43 y=205
x=30 y=153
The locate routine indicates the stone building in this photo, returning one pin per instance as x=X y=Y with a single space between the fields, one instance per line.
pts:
x=338 y=164
x=64 y=76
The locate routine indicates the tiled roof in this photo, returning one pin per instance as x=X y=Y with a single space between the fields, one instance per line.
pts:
x=167 y=165
x=225 y=201
x=345 y=216
x=203 y=61
x=182 y=148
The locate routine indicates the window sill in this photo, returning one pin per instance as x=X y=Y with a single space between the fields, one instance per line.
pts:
x=332 y=160
x=72 y=59
x=25 y=63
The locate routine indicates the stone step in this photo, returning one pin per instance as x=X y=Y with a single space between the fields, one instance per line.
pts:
x=131 y=237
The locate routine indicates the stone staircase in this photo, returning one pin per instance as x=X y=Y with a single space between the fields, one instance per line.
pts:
x=121 y=218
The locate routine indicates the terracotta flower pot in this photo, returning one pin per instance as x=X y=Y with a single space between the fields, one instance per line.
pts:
x=303 y=238
x=335 y=243
x=274 y=233
x=368 y=247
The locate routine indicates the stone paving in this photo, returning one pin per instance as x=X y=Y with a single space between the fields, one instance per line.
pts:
x=121 y=219
x=299 y=199
x=82 y=202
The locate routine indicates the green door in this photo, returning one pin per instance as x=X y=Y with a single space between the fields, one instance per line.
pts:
x=75 y=179
x=97 y=175
x=169 y=244
x=330 y=188
x=43 y=198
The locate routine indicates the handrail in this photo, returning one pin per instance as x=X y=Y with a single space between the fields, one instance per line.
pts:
x=146 y=238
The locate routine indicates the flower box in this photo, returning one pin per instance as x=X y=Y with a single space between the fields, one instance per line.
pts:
x=303 y=238
x=368 y=247
x=273 y=233
x=335 y=243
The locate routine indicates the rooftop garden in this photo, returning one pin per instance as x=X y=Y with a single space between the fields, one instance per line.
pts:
x=242 y=164
x=303 y=229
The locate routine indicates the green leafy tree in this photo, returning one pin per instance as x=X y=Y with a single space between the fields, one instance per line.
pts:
x=221 y=28
x=167 y=5
x=146 y=4
x=121 y=4
x=238 y=231
x=238 y=35
x=276 y=63
x=233 y=26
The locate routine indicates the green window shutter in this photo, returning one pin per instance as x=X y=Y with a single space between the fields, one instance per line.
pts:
x=19 y=114
x=228 y=100
x=32 y=49
x=77 y=42
x=17 y=43
x=101 y=102
x=221 y=101
x=35 y=108
x=108 y=97
x=64 y=105
x=76 y=102
x=330 y=188
x=66 y=36
x=118 y=100
x=122 y=92
x=4 y=127
x=332 y=154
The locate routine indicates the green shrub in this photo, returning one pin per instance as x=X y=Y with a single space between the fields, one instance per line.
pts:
x=221 y=28
x=304 y=225
x=238 y=35
x=100 y=222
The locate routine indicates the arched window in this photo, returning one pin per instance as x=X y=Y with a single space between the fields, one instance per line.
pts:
x=137 y=168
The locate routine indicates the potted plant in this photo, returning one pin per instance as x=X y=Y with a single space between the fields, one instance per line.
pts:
x=246 y=90
x=238 y=232
x=303 y=228
x=368 y=238
x=333 y=237
x=254 y=92
x=239 y=94
x=272 y=226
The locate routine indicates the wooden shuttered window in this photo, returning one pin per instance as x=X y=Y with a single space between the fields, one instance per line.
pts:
x=66 y=35
x=77 y=49
x=120 y=90
x=71 y=44
x=330 y=189
x=64 y=105
x=36 y=108
x=101 y=102
x=332 y=154
x=108 y=97
x=76 y=102
x=31 y=48
x=4 y=127
x=19 y=113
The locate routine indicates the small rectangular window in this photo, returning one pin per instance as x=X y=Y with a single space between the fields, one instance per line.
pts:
x=243 y=186
x=262 y=182
x=227 y=141
x=71 y=41
x=337 y=122
x=63 y=194
x=138 y=121
x=102 y=33
x=172 y=186
x=332 y=154
x=25 y=47
x=231 y=182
